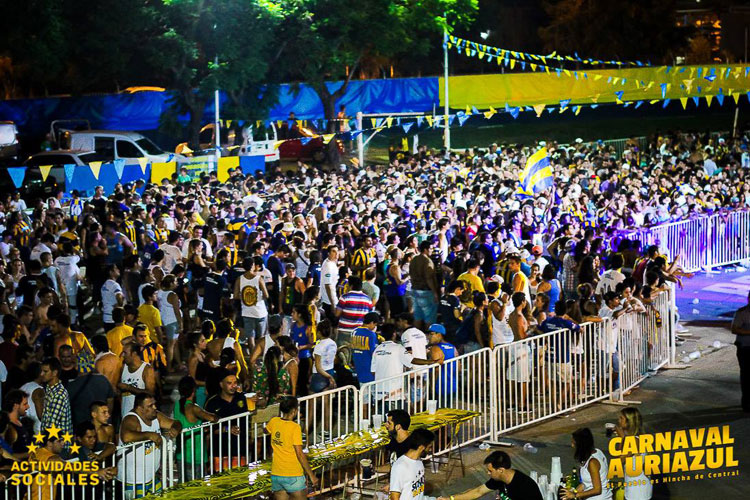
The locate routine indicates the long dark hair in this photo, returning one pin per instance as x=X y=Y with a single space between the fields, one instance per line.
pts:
x=185 y=387
x=584 y=444
x=304 y=313
x=271 y=361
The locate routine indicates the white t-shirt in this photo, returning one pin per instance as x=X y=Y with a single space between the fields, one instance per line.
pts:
x=110 y=289
x=329 y=275
x=326 y=349
x=608 y=281
x=389 y=360
x=407 y=478
x=38 y=250
x=610 y=344
x=173 y=255
x=68 y=266
x=415 y=340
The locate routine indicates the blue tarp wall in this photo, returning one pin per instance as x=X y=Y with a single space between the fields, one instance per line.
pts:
x=141 y=111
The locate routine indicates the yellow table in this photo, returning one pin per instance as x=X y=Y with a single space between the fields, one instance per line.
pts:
x=255 y=479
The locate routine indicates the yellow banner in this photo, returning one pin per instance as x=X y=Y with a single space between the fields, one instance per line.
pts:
x=637 y=84
x=222 y=172
x=161 y=171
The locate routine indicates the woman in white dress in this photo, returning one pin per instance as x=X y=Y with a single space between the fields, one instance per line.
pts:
x=594 y=468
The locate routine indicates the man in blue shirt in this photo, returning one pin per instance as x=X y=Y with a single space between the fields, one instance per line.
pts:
x=561 y=345
x=364 y=340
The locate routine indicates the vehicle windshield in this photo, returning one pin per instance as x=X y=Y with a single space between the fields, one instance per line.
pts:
x=7 y=133
x=149 y=147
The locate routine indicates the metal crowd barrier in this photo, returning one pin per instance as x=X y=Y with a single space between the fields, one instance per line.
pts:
x=550 y=374
x=462 y=383
x=702 y=242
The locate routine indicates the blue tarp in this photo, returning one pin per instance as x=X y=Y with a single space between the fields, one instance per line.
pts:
x=141 y=111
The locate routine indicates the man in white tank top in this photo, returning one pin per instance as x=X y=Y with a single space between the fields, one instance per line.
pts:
x=138 y=465
x=36 y=400
x=251 y=291
x=499 y=312
x=137 y=377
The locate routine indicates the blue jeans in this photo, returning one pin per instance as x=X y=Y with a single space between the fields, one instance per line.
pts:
x=425 y=306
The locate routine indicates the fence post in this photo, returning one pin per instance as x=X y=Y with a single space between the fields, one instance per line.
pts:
x=494 y=414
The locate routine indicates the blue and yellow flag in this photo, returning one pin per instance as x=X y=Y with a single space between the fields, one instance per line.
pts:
x=537 y=176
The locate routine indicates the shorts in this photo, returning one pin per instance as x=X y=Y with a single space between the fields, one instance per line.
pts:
x=254 y=327
x=319 y=383
x=172 y=331
x=141 y=490
x=290 y=484
x=425 y=307
x=563 y=372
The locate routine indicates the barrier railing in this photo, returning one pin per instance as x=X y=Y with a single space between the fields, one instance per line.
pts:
x=703 y=242
x=463 y=383
x=550 y=374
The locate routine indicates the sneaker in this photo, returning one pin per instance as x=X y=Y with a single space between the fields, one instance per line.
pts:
x=679 y=328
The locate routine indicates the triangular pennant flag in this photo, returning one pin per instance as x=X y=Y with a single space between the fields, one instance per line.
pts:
x=489 y=114
x=327 y=138
x=684 y=101
x=533 y=66
x=388 y=122
x=514 y=112
x=653 y=101
x=736 y=98
x=512 y=63
x=430 y=119
x=378 y=122
x=468 y=111
x=119 y=167
x=17 y=174
x=95 y=167
x=663 y=90
x=45 y=169
x=564 y=104
x=594 y=106
x=419 y=121
x=550 y=110
x=143 y=162
x=539 y=109
x=726 y=73
x=462 y=120
x=304 y=140
x=577 y=110
x=710 y=78
x=438 y=120
x=688 y=84
x=638 y=104
x=696 y=100
x=277 y=144
x=451 y=118
x=407 y=126
x=597 y=77
x=474 y=110
x=354 y=134
x=619 y=94
x=69 y=171
x=666 y=103
x=720 y=98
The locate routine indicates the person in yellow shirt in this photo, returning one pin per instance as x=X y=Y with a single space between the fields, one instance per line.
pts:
x=150 y=315
x=473 y=283
x=288 y=463
x=120 y=332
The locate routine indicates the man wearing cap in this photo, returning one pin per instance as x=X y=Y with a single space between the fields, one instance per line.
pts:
x=441 y=351
x=364 y=341
x=539 y=260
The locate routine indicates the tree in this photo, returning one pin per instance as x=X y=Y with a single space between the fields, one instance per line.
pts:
x=643 y=30
x=209 y=44
x=329 y=39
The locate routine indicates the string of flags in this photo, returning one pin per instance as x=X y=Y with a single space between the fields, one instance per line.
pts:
x=475 y=48
x=698 y=77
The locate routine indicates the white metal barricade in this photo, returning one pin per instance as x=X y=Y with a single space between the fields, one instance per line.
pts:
x=462 y=383
x=730 y=238
x=547 y=375
x=143 y=468
x=329 y=415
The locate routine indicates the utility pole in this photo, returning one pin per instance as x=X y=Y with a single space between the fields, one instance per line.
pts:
x=446 y=120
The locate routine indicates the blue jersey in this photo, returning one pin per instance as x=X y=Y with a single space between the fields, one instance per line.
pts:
x=299 y=336
x=363 y=344
x=446 y=383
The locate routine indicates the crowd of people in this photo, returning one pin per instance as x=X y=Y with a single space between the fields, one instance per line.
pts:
x=257 y=288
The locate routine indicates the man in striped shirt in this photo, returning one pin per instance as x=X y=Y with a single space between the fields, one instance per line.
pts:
x=351 y=311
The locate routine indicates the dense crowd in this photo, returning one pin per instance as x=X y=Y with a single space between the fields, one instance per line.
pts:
x=299 y=283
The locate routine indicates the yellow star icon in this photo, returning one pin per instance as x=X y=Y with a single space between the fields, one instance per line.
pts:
x=75 y=448
x=54 y=431
x=39 y=438
x=32 y=448
x=67 y=437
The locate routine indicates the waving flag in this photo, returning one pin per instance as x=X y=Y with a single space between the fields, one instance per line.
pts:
x=537 y=176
